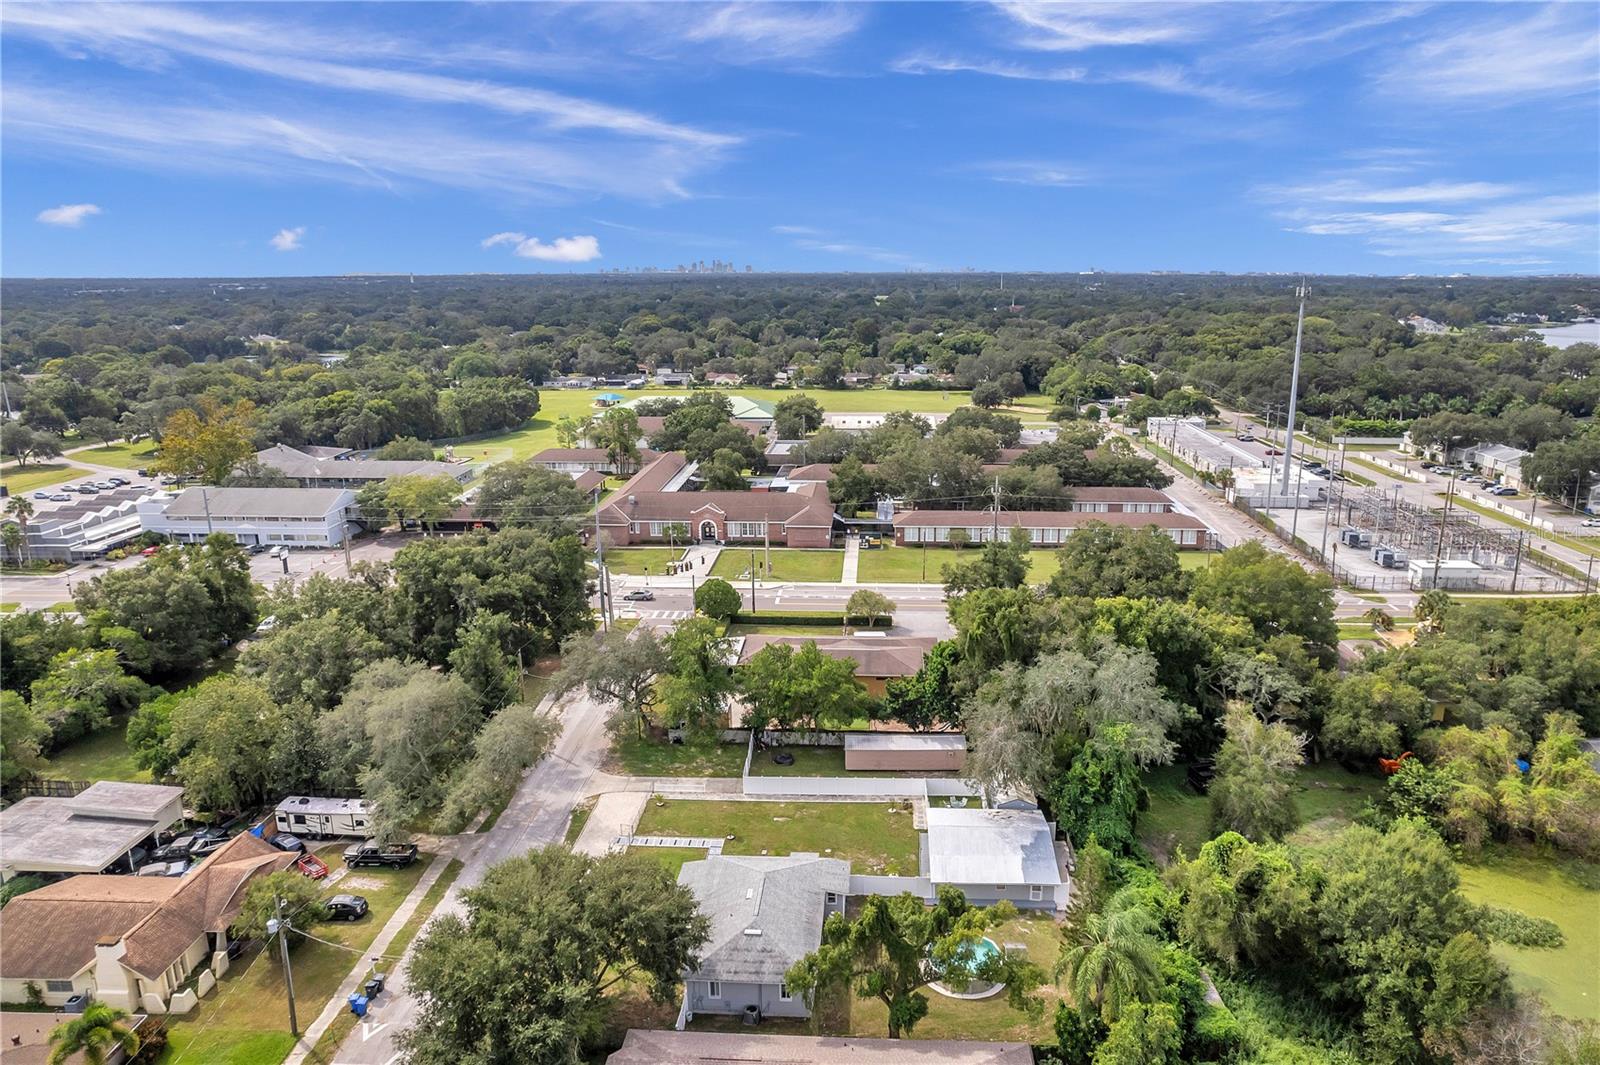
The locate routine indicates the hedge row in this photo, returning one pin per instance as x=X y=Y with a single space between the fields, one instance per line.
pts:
x=807 y=617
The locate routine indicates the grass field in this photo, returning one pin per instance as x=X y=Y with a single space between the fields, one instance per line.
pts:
x=640 y=561
x=812 y=762
x=672 y=857
x=554 y=403
x=1561 y=890
x=39 y=475
x=874 y=837
x=1327 y=797
x=242 y=1022
x=658 y=758
x=6 y=608
x=122 y=456
x=102 y=755
x=788 y=564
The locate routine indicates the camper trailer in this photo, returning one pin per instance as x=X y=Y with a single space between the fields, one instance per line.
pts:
x=308 y=815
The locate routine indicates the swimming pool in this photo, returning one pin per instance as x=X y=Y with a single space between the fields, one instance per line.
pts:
x=975 y=955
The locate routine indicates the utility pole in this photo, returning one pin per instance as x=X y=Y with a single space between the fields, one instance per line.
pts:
x=205 y=501
x=1444 y=517
x=1294 y=524
x=1294 y=384
x=995 y=531
x=288 y=972
x=1516 y=566
x=766 y=543
x=600 y=571
x=346 y=541
x=752 y=580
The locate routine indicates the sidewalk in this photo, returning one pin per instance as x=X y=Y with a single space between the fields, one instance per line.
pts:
x=852 y=560
x=358 y=975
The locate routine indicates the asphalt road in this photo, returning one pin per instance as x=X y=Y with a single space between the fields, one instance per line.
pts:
x=536 y=816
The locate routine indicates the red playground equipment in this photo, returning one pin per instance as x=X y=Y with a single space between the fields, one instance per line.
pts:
x=312 y=866
x=1391 y=766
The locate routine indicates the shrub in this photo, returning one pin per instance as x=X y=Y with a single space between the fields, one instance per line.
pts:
x=717 y=599
x=1517 y=929
x=1217 y=1034
x=20 y=885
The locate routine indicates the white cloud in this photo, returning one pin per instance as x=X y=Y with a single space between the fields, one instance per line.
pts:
x=929 y=63
x=1510 y=228
x=1504 y=55
x=1056 y=27
x=356 y=148
x=798 y=231
x=772 y=30
x=1036 y=172
x=68 y=214
x=1176 y=80
x=559 y=250
x=1354 y=190
x=288 y=239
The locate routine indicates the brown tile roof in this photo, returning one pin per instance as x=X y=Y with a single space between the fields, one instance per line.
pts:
x=589 y=480
x=1106 y=494
x=586 y=454
x=726 y=1048
x=50 y=933
x=874 y=656
x=642 y=499
x=1044 y=519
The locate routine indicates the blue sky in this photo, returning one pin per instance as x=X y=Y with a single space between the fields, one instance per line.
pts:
x=249 y=139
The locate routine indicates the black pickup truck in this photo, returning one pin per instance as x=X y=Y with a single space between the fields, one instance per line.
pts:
x=398 y=855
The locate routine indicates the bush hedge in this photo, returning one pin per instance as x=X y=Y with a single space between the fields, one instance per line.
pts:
x=804 y=617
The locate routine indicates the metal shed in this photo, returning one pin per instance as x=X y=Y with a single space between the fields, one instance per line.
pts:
x=907 y=751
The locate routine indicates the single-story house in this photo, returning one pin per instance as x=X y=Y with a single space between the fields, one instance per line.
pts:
x=1500 y=460
x=935 y=752
x=130 y=941
x=644 y=1047
x=998 y=854
x=1046 y=528
x=587 y=459
x=87 y=833
x=674 y=378
x=725 y=380
x=25 y=1038
x=298 y=517
x=347 y=471
x=878 y=657
x=660 y=496
x=766 y=914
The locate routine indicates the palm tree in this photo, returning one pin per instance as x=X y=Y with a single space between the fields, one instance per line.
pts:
x=12 y=537
x=94 y=1032
x=22 y=510
x=1431 y=608
x=1114 y=959
x=1379 y=619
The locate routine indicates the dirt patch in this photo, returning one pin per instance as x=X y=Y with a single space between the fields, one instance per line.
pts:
x=363 y=883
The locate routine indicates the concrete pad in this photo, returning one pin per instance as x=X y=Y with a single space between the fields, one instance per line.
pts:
x=615 y=814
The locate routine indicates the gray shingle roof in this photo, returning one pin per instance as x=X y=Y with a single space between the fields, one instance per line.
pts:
x=228 y=503
x=766 y=913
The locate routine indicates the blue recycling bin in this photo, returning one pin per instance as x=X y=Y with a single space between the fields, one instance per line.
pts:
x=358 y=1004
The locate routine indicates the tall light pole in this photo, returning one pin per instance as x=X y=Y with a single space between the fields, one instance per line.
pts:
x=1294 y=385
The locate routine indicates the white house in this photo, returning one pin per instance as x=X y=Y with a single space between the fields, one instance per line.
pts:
x=998 y=854
x=87 y=833
x=298 y=517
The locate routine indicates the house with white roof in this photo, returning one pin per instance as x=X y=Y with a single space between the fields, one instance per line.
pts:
x=998 y=854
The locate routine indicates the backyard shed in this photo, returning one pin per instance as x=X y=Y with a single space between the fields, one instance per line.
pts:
x=308 y=815
x=907 y=751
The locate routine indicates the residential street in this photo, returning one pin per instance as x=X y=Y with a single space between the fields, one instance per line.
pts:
x=536 y=816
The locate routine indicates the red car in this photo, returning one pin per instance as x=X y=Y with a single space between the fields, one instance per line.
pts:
x=1273 y=451
x=152 y=549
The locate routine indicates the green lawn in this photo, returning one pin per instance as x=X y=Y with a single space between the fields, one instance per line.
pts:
x=123 y=456
x=540 y=432
x=811 y=762
x=579 y=818
x=672 y=857
x=783 y=630
x=39 y=475
x=244 y=1021
x=788 y=564
x=6 y=608
x=102 y=755
x=874 y=837
x=985 y=1019
x=657 y=758
x=1328 y=799
x=639 y=561
x=1562 y=890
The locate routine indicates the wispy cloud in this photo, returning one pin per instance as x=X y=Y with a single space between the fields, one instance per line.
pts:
x=1500 y=232
x=288 y=239
x=1355 y=190
x=71 y=215
x=559 y=250
x=1035 y=172
x=359 y=149
x=766 y=31
x=809 y=238
x=1168 y=78
x=1055 y=27
x=930 y=63
x=1507 y=57
x=798 y=231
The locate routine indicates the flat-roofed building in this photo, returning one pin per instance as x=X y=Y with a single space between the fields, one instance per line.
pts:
x=588 y=460
x=878 y=657
x=909 y=752
x=87 y=833
x=998 y=854
x=1045 y=528
x=297 y=517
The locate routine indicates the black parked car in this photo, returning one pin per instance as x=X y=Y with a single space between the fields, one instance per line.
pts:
x=285 y=842
x=347 y=908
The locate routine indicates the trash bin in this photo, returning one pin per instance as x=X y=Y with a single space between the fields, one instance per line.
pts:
x=358 y=1004
x=373 y=985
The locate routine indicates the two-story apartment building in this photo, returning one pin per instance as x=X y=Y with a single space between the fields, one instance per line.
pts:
x=297 y=517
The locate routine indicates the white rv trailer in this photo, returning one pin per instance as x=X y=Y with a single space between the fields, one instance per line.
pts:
x=308 y=815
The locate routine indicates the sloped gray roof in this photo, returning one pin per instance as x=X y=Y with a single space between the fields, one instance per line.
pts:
x=991 y=847
x=766 y=913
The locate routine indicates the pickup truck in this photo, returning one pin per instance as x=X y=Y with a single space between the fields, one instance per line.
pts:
x=398 y=855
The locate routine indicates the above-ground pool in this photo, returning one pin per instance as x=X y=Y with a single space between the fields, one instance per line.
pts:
x=975 y=954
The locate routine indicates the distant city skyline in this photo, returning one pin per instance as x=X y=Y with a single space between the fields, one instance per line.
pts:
x=279 y=139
